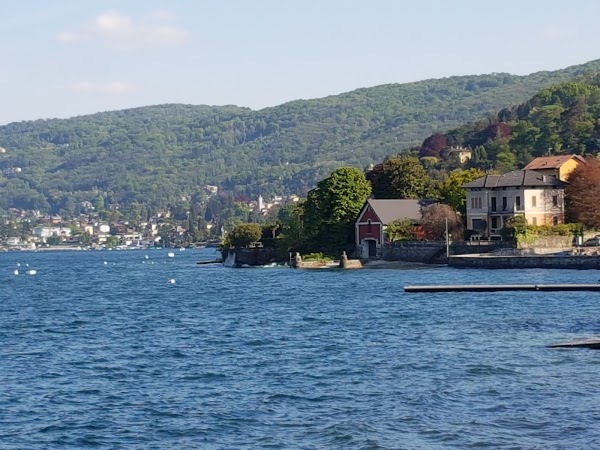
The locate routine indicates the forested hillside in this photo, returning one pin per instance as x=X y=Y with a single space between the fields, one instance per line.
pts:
x=563 y=118
x=159 y=155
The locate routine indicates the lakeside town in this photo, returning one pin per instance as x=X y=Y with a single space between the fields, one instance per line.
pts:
x=111 y=229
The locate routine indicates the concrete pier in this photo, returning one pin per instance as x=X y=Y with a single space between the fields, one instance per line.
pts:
x=580 y=343
x=502 y=287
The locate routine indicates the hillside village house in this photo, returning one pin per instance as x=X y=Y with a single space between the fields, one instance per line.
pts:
x=493 y=199
x=463 y=154
x=46 y=232
x=374 y=218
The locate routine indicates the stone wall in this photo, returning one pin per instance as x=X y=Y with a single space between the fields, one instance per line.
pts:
x=434 y=252
x=259 y=256
x=525 y=262
x=425 y=252
x=547 y=244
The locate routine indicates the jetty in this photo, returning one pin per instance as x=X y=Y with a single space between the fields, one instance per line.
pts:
x=214 y=261
x=579 y=343
x=501 y=287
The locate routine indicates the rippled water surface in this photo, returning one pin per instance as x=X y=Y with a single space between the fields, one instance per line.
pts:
x=99 y=349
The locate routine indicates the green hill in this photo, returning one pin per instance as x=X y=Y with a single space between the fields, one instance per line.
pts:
x=158 y=155
x=560 y=119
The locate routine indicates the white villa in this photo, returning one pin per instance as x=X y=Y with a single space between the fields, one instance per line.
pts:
x=492 y=199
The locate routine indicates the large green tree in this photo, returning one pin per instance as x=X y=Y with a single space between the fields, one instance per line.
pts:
x=242 y=235
x=331 y=209
x=401 y=177
x=451 y=190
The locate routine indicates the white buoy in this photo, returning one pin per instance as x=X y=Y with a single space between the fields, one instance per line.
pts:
x=31 y=272
x=172 y=281
x=105 y=262
x=16 y=272
x=146 y=257
x=18 y=264
x=171 y=255
x=26 y=265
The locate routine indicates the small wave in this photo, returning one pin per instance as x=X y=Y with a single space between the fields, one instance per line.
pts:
x=207 y=376
x=317 y=399
x=490 y=370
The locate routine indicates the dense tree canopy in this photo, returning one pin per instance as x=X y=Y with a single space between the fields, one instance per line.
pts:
x=563 y=118
x=401 y=177
x=331 y=209
x=243 y=234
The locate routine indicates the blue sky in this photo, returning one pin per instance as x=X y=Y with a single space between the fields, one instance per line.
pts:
x=63 y=58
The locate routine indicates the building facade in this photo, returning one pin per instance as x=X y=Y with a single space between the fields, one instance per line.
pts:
x=493 y=199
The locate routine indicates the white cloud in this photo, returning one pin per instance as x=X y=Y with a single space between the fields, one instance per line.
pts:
x=118 y=30
x=113 y=87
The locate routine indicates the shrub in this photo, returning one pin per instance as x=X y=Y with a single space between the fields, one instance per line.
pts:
x=242 y=235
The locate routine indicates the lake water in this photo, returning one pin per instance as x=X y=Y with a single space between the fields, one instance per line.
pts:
x=100 y=350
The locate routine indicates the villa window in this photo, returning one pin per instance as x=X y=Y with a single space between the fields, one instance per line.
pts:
x=369 y=227
x=555 y=200
x=534 y=201
x=504 y=203
x=494 y=223
x=555 y=220
x=518 y=202
x=534 y=221
x=494 y=205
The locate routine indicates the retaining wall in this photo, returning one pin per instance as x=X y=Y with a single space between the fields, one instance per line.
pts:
x=434 y=252
x=249 y=257
x=525 y=262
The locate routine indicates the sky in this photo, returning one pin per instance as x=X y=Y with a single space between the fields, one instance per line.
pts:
x=63 y=58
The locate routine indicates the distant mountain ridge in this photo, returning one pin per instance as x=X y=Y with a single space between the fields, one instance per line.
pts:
x=159 y=155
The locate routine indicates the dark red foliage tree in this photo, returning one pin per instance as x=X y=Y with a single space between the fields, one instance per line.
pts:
x=433 y=221
x=433 y=145
x=498 y=130
x=582 y=194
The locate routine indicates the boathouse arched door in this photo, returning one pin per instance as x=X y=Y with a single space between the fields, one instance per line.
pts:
x=372 y=248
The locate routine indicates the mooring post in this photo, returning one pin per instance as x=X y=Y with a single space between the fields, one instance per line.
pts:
x=344 y=260
x=297 y=260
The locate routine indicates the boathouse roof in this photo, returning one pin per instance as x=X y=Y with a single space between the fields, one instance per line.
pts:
x=389 y=210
